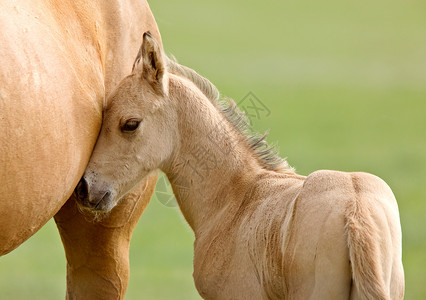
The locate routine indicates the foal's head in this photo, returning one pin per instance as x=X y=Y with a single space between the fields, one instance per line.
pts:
x=137 y=135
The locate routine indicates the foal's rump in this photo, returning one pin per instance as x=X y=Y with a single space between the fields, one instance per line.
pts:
x=374 y=239
x=345 y=231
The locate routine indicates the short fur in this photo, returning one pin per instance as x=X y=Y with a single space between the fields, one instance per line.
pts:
x=59 y=59
x=259 y=233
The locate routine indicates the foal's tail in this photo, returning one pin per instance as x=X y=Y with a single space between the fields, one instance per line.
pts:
x=364 y=251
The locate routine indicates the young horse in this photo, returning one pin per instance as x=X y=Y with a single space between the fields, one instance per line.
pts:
x=261 y=231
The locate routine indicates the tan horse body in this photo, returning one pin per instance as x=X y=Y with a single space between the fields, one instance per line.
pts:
x=261 y=231
x=58 y=60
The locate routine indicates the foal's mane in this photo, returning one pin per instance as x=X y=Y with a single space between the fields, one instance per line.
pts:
x=267 y=155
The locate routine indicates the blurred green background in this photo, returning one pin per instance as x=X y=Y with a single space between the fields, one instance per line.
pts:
x=345 y=82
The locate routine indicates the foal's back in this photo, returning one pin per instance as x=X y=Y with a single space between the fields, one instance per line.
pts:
x=330 y=235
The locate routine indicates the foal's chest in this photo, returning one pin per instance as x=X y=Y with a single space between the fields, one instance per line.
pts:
x=223 y=270
x=226 y=267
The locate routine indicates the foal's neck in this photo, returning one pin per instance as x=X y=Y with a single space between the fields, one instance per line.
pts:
x=212 y=165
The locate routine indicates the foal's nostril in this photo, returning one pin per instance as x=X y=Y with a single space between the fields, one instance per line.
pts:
x=82 y=190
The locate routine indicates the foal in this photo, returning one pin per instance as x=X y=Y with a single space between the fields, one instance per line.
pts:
x=261 y=231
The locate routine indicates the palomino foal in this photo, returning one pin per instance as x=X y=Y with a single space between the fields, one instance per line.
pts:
x=261 y=231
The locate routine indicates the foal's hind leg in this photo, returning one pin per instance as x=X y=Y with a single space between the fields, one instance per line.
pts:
x=98 y=252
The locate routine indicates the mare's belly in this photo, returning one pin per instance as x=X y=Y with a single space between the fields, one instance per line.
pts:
x=50 y=114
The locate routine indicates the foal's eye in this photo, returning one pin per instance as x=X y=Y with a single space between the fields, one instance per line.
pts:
x=130 y=125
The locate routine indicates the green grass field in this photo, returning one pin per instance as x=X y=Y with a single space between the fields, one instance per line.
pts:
x=346 y=86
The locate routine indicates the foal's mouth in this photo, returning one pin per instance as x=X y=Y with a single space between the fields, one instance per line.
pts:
x=95 y=211
x=92 y=198
x=101 y=201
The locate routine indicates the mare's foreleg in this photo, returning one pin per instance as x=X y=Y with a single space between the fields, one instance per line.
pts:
x=98 y=252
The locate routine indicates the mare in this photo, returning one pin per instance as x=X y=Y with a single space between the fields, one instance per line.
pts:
x=58 y=61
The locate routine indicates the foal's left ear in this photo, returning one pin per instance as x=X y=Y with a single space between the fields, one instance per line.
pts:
x=150 y=64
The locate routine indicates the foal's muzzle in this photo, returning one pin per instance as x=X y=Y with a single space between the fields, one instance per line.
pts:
x=93 y=196
x=82 y=189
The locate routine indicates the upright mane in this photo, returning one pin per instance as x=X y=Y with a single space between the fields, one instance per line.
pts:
x=266 y=154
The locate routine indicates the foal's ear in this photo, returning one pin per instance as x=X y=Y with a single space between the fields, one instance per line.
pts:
x=150 y=63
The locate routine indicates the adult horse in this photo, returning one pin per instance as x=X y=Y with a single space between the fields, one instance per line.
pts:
x=58 y=60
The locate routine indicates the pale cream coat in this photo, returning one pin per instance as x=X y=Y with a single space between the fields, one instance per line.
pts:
x=261 y=231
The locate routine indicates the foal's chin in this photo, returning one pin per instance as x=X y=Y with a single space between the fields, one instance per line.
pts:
x=96 y=213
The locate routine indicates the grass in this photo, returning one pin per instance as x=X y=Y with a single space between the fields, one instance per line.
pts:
x=346 y=86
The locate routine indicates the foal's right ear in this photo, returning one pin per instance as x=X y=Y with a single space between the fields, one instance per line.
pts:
x=150 y=63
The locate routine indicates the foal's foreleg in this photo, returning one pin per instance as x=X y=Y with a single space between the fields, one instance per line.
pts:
x=98 y=252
